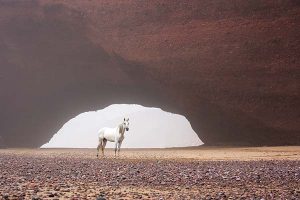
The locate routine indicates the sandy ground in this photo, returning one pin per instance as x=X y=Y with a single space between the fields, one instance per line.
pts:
x=179 y=173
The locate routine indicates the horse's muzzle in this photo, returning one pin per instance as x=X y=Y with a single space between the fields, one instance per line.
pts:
x=127 y=129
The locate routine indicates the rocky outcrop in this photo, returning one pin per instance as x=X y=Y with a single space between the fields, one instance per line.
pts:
x=231 y=67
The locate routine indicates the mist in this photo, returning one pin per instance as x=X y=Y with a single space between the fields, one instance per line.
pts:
x=149 y=128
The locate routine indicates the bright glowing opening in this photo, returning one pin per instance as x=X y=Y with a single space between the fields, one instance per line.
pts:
x=149 y=128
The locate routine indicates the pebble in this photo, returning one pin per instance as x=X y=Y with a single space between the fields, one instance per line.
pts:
x=79 y=177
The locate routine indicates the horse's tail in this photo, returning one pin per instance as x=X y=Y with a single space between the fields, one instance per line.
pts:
x=100 y=144
x=100 y=139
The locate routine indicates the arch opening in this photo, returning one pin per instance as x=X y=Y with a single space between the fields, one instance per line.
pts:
x=150 y=127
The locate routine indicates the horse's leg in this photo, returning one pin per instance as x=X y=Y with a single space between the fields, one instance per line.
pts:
x=103 y=146
x=99 y=146
x=119 y=148
x=116 y=146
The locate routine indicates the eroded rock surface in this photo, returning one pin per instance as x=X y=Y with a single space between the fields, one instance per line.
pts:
x=231 y=67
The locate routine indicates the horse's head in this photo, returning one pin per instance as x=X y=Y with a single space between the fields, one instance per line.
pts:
x=126 y=124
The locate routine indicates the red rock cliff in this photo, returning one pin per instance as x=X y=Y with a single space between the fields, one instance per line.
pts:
x=231 y=67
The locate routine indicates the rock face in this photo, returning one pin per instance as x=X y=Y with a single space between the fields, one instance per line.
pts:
x=231 y=67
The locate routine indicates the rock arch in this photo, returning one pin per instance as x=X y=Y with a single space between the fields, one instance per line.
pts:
x=230 y=68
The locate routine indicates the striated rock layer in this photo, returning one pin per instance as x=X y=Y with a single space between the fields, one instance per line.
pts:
x=231 y=67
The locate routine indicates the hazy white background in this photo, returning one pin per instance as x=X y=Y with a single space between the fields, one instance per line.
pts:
x=149 y=128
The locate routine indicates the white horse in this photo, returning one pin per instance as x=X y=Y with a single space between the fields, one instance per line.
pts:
x=115 y=135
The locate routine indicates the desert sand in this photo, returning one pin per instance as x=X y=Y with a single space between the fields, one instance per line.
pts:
x=179 y=173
